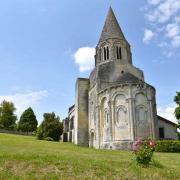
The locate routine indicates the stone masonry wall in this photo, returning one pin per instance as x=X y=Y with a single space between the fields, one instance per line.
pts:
x=81 y=112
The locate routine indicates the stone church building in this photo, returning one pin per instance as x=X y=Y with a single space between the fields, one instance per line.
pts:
x=115 y=105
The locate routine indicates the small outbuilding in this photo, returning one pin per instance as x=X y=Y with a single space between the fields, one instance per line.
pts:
x=167 y=129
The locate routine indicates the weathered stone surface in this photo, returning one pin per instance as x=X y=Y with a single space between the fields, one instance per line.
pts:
x=111 y=28
x=81 y=112
x=115 y=105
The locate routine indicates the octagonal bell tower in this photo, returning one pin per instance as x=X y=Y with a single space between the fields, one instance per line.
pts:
x=112 y=45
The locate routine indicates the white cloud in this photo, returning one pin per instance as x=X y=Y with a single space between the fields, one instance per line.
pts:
x=154 y=2
x=176 y=42
x=172 y=30
x=167 y=112
x=173 y=33
x=148 y=35
x=163 y=18
x=164 y=11
x=84 y=57
x=24 y=100
x=177 y=19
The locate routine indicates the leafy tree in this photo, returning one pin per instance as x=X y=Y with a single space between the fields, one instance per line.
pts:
x=7 y=116
x=28 y=121
x=179 y=135
x=50 y=127
x=177 y=109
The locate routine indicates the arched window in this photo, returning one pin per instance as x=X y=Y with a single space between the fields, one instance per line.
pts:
x=121 y=116
x=92 y=139
x=141 y=116
x=107 y=49
x=106 y=53
x=118 y=52
x=106 y=117
x=100 y=54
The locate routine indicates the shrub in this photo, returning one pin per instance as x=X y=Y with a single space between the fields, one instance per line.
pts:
x=167 y=146
x=28 y=121
x=7 y=116
x=48 y=139
x=39 y=133
x=50 y=127
x=143 y=151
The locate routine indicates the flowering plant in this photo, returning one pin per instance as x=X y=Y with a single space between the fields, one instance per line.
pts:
x=143 y=151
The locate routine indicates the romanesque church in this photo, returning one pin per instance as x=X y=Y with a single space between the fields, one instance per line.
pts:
x=115 y=105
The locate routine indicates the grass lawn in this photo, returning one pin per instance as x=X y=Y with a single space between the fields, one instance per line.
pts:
x=24 y=157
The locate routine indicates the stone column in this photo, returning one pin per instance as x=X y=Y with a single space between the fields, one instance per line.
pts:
x=113 y=120
x=131 y=106
x=132 y=117
x=151 y=118
x=98 y=125
x=113 y=53
x=110 y=119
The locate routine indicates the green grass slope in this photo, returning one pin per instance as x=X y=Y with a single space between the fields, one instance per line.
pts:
x=24 y=157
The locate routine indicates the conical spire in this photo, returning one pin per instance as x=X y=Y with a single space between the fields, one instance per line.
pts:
x=111 y=27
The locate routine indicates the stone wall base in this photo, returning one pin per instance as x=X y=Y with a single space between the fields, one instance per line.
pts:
x=117 y=145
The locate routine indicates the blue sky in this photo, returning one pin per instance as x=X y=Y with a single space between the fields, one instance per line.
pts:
x=46 y=44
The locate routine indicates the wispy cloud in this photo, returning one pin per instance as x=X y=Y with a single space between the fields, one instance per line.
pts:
x=154 y=2
x=148 y=35
x=162 y=12
x=24 y=100
x=173 y=32
x=84 y=57
x=163 y=18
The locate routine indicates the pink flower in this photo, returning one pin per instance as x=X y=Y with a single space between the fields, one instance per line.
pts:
x=138 y=141
x=136 y=144
x=152 y=143
x=135 y=147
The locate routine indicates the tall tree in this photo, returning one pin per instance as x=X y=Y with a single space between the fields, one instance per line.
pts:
x=50 y=127
x=177 y=109
x=7 y=116
x=28 y=121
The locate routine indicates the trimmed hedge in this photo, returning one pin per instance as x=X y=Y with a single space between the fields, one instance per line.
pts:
x=167 y=146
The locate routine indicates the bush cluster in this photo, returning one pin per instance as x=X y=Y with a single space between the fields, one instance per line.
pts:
x=167 y=146
x=143 y=151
